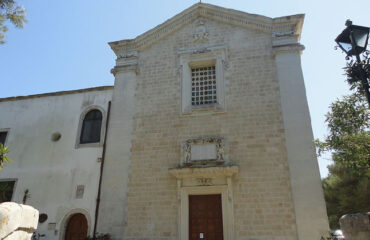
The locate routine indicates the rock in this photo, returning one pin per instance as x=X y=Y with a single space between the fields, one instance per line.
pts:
x=17 y=221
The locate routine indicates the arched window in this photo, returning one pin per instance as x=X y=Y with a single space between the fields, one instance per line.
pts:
x=91 y=127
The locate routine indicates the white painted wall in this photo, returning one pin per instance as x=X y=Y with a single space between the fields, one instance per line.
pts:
x=52 y=170
x=115 y=176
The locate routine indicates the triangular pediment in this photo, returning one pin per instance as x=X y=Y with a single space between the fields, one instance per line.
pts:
x=275 y=26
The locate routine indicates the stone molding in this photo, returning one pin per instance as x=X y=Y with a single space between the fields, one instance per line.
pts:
x=204 y=172
x=125 y=68
x=289 y=48
x=128 y=54
x=202 y=10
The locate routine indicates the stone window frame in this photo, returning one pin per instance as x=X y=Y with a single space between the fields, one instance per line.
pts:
x=102 y=130
x=7 y=130
x=194 y=58
x=15 y=180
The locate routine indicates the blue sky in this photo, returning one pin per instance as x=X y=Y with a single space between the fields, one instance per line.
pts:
x=64 y=44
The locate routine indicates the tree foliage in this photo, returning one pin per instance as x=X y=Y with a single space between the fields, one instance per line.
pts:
x=354 y=71
x=348 y=139
x=3 y=155
x=13 y=12
x=347 y=188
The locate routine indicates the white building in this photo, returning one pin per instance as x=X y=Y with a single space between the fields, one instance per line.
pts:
x=209 y=137
x=59 y=172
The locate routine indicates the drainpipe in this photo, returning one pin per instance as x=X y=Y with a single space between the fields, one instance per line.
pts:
x=101 y=172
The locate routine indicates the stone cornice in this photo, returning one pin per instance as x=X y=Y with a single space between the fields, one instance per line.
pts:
x=287 y=48
x=289 y=24
x=188 y=172
x=125 y=68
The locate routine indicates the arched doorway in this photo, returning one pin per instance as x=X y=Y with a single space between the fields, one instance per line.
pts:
x=76 y=227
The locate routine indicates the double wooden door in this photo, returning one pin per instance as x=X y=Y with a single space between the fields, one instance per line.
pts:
x=205 y=217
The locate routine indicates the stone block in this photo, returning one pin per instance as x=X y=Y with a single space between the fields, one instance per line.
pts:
x=356 y=226
x=17 y=221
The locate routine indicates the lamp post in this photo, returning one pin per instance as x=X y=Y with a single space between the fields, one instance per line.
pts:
x=353 y=41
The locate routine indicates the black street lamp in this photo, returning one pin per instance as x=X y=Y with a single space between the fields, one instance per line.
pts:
x=353 y=41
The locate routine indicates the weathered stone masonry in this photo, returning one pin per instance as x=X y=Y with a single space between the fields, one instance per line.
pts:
x=265 y=203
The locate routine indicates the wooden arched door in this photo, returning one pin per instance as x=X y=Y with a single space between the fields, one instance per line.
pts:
x=76 y=227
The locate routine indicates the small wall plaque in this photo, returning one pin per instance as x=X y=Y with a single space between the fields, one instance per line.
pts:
x=52 y=226
x=80 y=191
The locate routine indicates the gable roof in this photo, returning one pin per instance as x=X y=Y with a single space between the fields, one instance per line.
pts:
x=292 y=24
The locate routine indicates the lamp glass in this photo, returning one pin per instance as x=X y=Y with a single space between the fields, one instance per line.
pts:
x=360 y=36
x=347 y=47
x=353 y=40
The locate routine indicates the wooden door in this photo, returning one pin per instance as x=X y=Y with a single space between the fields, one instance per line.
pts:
x=76 y=227
x=205 y=217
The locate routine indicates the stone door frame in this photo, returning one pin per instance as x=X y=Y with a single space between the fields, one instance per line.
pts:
x=67 y=217
x=227 y=209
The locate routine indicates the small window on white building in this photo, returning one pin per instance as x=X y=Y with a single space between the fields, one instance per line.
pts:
x=91 y=130
x=91 y=127
x=3 y=137
x=203 y=86
x=6 y=190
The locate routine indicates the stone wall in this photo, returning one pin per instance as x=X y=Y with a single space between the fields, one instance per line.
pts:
x=17 y=221
x=356 y=226
x=60 y=175
x=251 y=123
x=261 y=112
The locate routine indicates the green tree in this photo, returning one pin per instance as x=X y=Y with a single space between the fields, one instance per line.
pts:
x=347 y=188
x=13 y=12
x=355 y=70
x=348 y=123
x=3 y=155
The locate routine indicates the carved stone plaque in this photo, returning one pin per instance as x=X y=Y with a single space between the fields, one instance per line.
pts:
x=203 y=149
x=204 y=181
x=203 y=152
x=201 y=33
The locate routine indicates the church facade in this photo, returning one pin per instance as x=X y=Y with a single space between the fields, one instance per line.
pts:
x=206 y=134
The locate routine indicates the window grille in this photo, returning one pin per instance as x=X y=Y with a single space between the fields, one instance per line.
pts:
x=203 y=86
x=91 y=127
